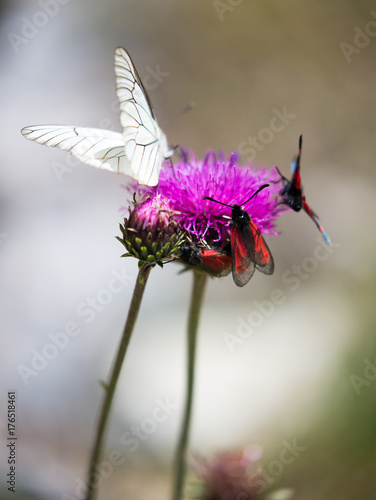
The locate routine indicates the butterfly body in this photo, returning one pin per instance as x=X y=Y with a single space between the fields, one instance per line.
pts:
x=293 y=196
x=292 y=193
x=239 y=218
x=139 y=151
x=249 y=250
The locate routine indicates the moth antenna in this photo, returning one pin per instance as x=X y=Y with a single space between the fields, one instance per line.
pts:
x=216 y=201
x=255 y=193
x=282 y=179
x=226 y=205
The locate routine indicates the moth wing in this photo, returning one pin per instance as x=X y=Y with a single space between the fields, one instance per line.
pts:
x=296 y=181
x=262 y=256
x=215 y=262
x=316 y=220
x=243 y=265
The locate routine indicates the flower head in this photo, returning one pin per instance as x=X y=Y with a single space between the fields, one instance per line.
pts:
x=151 y=233
x=232 y=475
x=210 y=198
x=191 y=180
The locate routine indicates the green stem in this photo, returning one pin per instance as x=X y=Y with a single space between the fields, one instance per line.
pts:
x=134 y=308
x=198 y=290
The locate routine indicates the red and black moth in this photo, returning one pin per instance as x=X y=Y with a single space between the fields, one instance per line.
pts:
x=292 y=192
x=249 y=250
x=214 y=261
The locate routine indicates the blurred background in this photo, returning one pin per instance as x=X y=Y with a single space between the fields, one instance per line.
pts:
x=305 y=374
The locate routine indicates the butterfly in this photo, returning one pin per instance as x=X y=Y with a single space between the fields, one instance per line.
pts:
x=138 y=151
x=249 y=250
x=292 y=192
x=214 y=261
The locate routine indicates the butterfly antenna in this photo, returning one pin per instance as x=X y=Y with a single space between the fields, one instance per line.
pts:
x=216 y=201
x=282 y=177
x=179 y=113
x=255 y=193
x=182 y=154
x=173 y=171
x=226 y=205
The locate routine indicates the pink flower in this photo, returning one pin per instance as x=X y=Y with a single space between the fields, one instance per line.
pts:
x=224 y=180
x=151 y=233
x=232 y=475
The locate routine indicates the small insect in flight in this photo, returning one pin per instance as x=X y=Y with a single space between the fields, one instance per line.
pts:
x=138 y=151
x=292 y=192
x=249 y=250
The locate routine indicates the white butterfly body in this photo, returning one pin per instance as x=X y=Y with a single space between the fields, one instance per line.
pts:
x=137 y=152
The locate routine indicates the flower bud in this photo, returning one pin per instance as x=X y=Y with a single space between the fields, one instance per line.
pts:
x=151 y=233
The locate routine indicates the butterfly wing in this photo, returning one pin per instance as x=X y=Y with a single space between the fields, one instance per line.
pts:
x=96 y=147
x=296 y=181
x=316 y=220
x=262 y=257
x=144 y=142
x=216 y=262
x=242 y=251
x=295 y=164
x=292 y=191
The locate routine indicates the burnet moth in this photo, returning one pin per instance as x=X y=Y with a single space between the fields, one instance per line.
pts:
x=249 y=250
x=215 y=261
x=292 y=192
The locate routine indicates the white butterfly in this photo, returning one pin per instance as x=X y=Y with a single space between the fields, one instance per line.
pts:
x=138 y=152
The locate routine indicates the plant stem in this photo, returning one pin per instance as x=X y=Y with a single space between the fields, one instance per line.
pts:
x=134 y=308
x=198 y=290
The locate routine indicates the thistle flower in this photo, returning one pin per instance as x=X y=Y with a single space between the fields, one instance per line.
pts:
x=151 y=233
x=235 y=475
x=231 y=475
x=191 y=180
